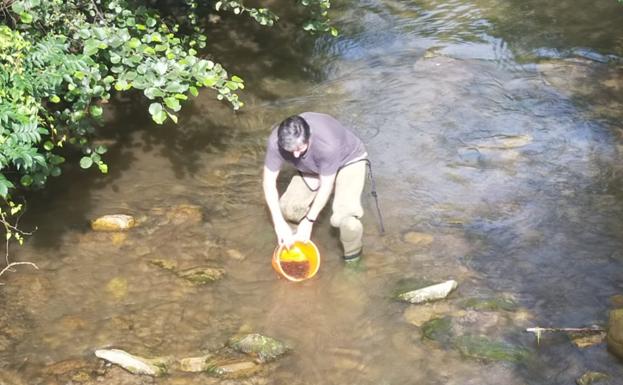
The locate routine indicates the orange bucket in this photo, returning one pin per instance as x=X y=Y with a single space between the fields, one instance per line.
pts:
x=299 y=262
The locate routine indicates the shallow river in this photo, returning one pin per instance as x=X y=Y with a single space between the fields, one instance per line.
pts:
x=494 y=130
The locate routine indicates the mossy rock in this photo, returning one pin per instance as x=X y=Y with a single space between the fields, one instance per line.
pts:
x=438 y=329
x=264 y=348
x=490 y=304
x=202 y=275
x=483 y=348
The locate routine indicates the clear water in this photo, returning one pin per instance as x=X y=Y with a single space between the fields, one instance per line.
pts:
x=494 y=129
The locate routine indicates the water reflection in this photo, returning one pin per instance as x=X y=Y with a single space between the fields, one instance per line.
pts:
x=500 y=173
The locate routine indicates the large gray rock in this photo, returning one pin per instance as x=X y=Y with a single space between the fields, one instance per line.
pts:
x=615 y=332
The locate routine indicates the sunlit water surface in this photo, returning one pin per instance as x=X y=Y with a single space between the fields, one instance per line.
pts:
x=494 y=132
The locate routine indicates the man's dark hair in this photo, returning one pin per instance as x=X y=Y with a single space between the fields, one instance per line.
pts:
x=292 y=132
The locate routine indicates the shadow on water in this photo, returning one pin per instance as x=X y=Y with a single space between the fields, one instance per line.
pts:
x=499 y=173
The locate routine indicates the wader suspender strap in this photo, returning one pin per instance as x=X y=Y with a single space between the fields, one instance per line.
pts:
x=372 y=189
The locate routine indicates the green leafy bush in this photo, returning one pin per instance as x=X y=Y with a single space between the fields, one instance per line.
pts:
x=62 y=60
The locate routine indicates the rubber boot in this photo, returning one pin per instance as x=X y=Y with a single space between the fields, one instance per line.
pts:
x=351 y=236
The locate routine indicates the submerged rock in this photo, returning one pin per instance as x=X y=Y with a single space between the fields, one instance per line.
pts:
x=195 y=364
x=114 y=222
x=264 y=348
x=482 y=348
x=185 y=213
x=202 y=275
x=117 y=287
x=232 y=368
x=583 y=340
x=438 y=329
x=490 y=304
x=429 y=293
x=615 y=332
x=418 y=239
x=133 y=364
x=419 y=315
x=590 y=378
x=165 y=264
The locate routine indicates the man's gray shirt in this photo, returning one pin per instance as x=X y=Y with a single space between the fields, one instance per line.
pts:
x=331 y=146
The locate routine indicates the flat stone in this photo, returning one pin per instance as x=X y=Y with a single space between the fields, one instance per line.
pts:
x=195 y=364
x=590 y=378
x=583 y=341
x=418 y=239
x=114 y=222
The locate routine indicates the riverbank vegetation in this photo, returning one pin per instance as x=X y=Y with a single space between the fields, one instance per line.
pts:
x=63 y=60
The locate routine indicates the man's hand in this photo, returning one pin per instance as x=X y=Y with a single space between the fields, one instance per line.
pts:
x=284 y=234
x=304 y=230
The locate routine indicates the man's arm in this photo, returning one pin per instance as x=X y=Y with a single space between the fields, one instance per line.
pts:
x=303 y=232
x=271 y=195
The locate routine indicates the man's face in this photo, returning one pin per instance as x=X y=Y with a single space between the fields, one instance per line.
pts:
x=300 y=150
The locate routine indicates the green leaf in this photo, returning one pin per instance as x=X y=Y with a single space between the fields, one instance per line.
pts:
x=55 y=171
x=26 y=180
x=172 y=103
x=25 y=17
x=155 y=108
x=103 y=167
x=160 y=117
x=96 y=111
x=193 y=91
x=86 y=162
x=173 y=117
x=48 y=145
x=101 y=149
x=55 y=99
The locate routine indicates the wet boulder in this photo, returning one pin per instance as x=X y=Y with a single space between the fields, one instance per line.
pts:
x=263 y=348
x=113 y=222
x=615 y=332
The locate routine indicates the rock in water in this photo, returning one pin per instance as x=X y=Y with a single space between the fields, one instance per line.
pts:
x=615 y=332
x=590 y=378
x=115 y=222
x=429 y=293
x=131 y=363
x=264 y=348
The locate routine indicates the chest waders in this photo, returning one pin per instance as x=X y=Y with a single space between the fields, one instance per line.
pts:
x=372 y=189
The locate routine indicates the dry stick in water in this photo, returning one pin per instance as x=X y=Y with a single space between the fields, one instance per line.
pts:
x=538 y=331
